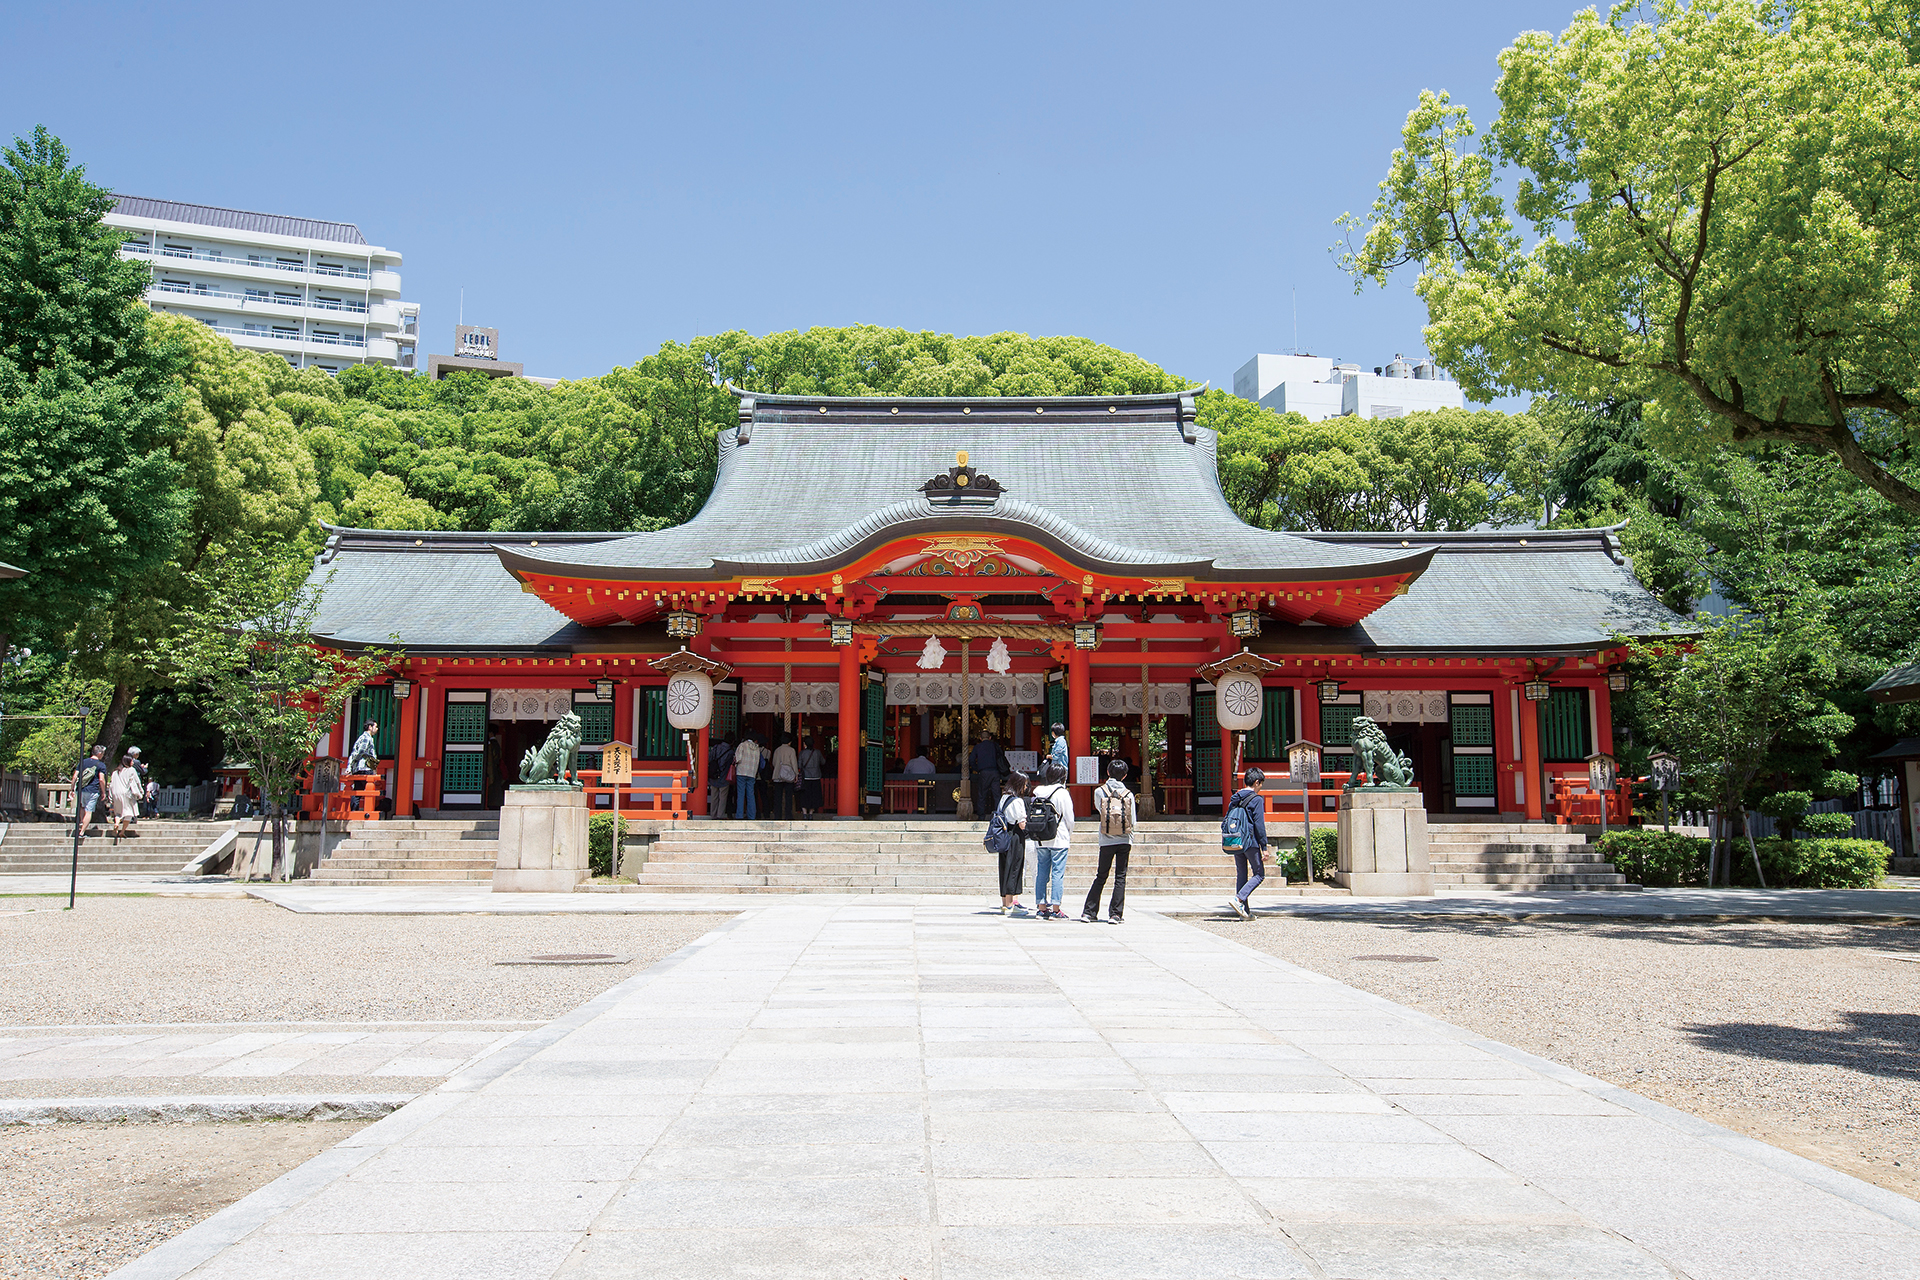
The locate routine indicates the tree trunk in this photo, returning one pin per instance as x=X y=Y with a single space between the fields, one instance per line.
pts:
x=115 y=724
x=278 y=867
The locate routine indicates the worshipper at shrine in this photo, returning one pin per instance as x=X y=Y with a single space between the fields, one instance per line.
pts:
x=784 y=776
x=1012 y=812
x=1250 y=867
x=1050 y=873
x=1059 y=755
x=719 y=760
x=1114 y=806
x=986 y=769
x=124 y=791
x=746 y=769
x=920 y=767
x=812 y=769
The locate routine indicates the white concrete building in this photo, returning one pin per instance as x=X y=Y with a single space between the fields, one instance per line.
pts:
x=1316 y=388
x=314 y=292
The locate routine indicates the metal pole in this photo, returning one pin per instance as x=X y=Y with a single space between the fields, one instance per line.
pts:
x=1306 y=830
x=1665 y=824
x=73 y=881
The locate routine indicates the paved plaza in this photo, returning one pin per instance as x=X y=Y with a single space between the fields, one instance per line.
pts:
x=890 y=1087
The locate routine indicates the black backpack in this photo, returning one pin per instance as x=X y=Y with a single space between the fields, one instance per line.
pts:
x=1043 y=820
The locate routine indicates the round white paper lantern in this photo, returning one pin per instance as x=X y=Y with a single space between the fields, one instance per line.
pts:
x=1238 y=702
x=689 y=700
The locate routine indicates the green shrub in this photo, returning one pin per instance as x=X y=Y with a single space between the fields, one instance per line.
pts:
x=1657 y=859
x=1813 y=864
x=604 y=831
x=1826 y=824
x=1326 y=852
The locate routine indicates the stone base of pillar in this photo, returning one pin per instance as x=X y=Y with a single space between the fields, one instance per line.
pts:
x=1383 y=844
x=543 y=841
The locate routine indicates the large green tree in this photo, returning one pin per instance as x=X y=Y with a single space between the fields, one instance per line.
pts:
x=89 y=499
x=1713 y=208
x=1451 y=469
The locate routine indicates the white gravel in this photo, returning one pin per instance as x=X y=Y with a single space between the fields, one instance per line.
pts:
x=1795 y=1033
x=80 y=1200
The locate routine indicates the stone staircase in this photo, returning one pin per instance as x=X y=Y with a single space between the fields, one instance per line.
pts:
x=412 y=851
x=910 y=856
x=160 y=848
x=1515 y=857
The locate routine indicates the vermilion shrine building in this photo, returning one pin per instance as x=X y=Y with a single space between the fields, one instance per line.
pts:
x=1088 y=534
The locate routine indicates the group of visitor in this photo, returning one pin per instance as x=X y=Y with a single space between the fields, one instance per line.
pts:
x=124 y=790
x=765 y=783
x=1041 y=815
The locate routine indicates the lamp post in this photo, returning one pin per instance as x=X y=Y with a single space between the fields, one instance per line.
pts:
x=1303 y=768
x=1665 y=770
x=1601 y=771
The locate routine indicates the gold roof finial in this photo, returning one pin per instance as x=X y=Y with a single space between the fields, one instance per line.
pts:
x=960 y=458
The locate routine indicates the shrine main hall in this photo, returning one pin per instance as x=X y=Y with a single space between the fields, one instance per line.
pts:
x=892 y=577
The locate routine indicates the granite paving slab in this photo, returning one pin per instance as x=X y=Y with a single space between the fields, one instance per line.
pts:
x=804 y=1092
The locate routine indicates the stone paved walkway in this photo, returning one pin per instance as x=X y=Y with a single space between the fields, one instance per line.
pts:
x=253 y=1051
x=883 y=1089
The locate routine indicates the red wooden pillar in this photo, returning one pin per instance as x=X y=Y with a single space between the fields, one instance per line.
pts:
x=1227 y=779
x=435 y=711
x=1603 y=716
x=1530 y=758
x=403 y=756
x=697 y=802
x=1309 y=713
x=1506 y=766
x=1079 y=723
x=849 y=781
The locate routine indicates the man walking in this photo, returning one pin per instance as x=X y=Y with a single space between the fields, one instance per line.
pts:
x=88 y=778
x=364 y=755
x=1114 y=805
x=1247 y=819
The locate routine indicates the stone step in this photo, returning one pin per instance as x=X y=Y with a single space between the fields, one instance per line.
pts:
x=1529 y=877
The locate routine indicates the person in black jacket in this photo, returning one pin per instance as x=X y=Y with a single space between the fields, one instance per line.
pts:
x=1250 y=867
x=986 y=774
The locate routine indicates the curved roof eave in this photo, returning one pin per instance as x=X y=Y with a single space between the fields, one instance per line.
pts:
x=1009 y=518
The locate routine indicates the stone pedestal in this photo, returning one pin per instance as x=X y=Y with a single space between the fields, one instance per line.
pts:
x=1383 y=844
x=543 y=841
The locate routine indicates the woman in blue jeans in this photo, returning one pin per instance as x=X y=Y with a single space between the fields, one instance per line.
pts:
x=1049 y=881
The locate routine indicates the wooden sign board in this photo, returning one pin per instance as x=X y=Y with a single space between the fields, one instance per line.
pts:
x=616 y=764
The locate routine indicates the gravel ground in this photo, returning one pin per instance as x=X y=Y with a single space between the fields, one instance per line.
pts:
x=79 y=1200
x=151 y=959
x=1793 y=1033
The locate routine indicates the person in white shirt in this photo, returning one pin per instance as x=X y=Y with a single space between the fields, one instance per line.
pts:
x=786 y=773
x=1113 y=805
x=1013 y=863
x=1049 y=879
x=920 y=766
x=746 y=767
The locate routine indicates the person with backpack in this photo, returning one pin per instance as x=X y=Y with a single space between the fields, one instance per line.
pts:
x=719 y=774
x=746 y=769
x=1243 y=833
x=1006 y=839
x=89 y=776
x=786 y=772
x=1050 y=827
x=1114 y=804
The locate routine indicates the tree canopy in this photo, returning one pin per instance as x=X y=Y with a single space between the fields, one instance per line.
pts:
x=1451 y=469
x=1720 y=218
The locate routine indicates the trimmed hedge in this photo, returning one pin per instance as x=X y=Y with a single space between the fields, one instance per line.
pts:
x=1657 y=859
x=603 y=833
x=1326 y=853
x=1660 y=860
x=1829 y=825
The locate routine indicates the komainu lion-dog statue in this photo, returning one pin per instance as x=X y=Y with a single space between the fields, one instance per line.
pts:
x=1382 y=765
x=558 y=759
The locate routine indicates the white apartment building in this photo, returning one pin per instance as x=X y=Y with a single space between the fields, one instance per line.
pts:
x=314 y=292
x=1316 y=388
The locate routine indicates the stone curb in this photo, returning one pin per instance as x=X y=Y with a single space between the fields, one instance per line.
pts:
x=174 y=1109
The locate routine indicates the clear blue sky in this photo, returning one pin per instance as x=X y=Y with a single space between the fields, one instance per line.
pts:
x=600 y=178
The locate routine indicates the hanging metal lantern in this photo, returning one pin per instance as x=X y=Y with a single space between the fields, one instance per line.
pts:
x=840 y=631
x=689 y=700
x=1245 y=623
x=682 y=625
x=1086 y=635
x=1617 y=681
x=1537 y=690
x=1238 y=701
x=1329 y=691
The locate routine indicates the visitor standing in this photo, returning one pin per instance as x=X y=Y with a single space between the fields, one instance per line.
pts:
x=1007 y=838
x=986 y=772
x=812 y=769
x=1244 y=833
x=719 y=764
x=88 y=778
x=1114 y=805
x=124 y=790
x=148 y=788
x=746 y=768
x=786 y=774
x=364 y=755
x=1050 y=827
x=1059 y=754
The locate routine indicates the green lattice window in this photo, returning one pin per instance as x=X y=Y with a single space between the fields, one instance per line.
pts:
x=463 y=772
x=596 y=722
x=726 y=712
x=1056 y=706
x=1472 y=725
x=1472 y=775
x=467 y=722
x=1565 y=736
x=874 y=761
x=659 y=740
x=1206 y=743
x=1268 y=740
x=1336 y=735
x=376 y=703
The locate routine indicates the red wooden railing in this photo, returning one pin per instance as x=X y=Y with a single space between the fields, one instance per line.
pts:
x=648 y=795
